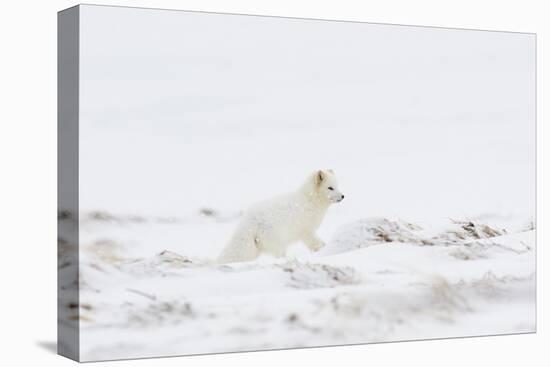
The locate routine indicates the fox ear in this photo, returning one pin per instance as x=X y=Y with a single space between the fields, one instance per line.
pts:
x=319 y=177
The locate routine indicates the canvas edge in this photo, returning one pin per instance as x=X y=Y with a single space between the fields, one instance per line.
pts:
x=68 y=303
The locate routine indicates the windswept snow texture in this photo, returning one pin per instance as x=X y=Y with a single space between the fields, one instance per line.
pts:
x=146 y=293
x=186 y=119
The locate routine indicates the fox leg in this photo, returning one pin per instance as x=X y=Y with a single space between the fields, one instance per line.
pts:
x=313 y=242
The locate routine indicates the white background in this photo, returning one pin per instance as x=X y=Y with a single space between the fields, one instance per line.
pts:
x=187 y=86
x=28 y=188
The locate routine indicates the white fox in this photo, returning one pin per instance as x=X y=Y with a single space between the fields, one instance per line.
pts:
x=271 y=226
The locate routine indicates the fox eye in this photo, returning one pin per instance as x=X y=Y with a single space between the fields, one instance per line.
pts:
x=331 y=188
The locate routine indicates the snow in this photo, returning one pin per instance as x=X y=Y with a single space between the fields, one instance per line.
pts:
x=430 y=133
x=145 y=293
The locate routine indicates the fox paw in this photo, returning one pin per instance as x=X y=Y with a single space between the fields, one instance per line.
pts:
x=317 y=246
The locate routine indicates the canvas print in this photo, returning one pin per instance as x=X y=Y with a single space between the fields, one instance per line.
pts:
x=240 y=183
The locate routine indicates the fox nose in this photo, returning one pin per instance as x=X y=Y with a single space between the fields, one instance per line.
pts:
x=342 y=198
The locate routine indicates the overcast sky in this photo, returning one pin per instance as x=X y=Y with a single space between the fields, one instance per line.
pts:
x=191 y=97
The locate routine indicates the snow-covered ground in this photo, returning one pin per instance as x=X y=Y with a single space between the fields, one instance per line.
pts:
x=186 y=119
x=144 y=292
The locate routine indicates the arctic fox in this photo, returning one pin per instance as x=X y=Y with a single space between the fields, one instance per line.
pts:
x=271 y=226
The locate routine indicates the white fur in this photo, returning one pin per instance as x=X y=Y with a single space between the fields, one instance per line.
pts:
x=271 y=226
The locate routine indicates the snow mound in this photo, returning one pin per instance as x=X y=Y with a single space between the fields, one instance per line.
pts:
x=372 y=231
x=376 y=231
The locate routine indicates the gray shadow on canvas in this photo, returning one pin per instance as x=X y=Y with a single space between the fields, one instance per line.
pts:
x=50 y=346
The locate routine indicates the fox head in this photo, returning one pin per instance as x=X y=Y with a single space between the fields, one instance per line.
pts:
x=326 y=186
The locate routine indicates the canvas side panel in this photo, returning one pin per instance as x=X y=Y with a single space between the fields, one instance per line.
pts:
x=67 y=184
